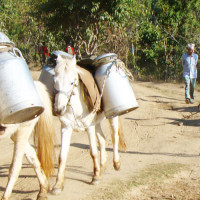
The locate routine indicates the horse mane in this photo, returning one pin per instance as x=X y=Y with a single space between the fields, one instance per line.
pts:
x=64 y=62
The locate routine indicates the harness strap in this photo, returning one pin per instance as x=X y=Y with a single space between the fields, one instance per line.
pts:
x=70 y=93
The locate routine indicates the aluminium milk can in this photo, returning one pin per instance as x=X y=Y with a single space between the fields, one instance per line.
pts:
x=118 y=96
x=19 y=99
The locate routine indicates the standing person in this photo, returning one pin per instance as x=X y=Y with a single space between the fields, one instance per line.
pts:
x=189 y=61
x=44 y=54
x=69 y=50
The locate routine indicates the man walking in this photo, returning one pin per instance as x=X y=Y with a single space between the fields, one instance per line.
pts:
x=189 y=61
x=44 y=54
x=69 y=50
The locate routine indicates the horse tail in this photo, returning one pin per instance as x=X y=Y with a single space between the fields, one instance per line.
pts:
x=45 y=133
x=122 y=143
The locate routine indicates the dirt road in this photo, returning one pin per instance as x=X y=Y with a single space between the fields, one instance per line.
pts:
x=161 y=162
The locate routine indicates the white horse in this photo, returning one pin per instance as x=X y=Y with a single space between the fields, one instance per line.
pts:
x=20 y=133
x=74 y=113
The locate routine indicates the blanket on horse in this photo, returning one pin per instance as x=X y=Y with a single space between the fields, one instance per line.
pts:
x=91 y=86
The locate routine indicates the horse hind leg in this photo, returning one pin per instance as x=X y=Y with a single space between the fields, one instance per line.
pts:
x=102 y=144
x=93 y=153
x=117 y=140
x=20 y=139
x=33 y=160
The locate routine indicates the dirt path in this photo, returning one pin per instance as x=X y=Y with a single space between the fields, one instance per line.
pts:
x=161 y=162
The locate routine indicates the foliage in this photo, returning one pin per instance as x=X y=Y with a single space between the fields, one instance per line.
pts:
x=163 y=37
x=148 y=35
x=91 y=26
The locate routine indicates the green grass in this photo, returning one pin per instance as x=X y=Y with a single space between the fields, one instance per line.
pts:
x=155 y=174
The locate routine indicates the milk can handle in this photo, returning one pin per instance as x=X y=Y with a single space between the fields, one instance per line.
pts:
x=18 y=51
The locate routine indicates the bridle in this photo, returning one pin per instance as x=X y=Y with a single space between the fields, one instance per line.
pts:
x=69 y=93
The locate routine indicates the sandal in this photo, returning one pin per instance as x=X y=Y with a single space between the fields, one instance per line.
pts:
x=187 y=101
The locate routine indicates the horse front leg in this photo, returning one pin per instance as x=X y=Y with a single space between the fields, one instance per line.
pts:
x=33 y=160
x=114 y=124
x=94 y=153
x=102 y=144
x=65 y=144
x=20 y=139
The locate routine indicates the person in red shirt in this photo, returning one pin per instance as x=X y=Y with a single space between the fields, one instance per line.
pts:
x=44 y=54
x=69 y=50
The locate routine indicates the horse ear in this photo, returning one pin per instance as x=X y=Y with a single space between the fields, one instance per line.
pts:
x=59 y=58
x=74 y=60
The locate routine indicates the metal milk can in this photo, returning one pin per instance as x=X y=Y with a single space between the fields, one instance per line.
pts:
x=118 y=96
x=19 y=99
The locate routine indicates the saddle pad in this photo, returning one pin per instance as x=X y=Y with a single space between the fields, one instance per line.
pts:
x=89 y=82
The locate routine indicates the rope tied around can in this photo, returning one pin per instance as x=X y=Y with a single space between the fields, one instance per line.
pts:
x=122 y=66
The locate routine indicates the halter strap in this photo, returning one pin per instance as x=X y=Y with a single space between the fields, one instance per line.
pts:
x=69 y=93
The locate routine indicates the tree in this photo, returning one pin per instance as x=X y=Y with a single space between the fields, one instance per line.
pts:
x=163 y=37
x=91 y=25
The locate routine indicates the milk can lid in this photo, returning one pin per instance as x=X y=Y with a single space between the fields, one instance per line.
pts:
x=62 y=53
x=112 y=55
x=4 y=40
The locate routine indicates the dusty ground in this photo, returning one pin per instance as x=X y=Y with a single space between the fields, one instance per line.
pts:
x=161 y=162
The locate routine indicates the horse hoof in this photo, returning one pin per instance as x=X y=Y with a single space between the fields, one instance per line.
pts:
x=56 y=191
x=42 y=197
x=95 y=181
x=103 y=169
x=116 y=166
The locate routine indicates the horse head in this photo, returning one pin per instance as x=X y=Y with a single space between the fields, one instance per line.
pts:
x=65 y=81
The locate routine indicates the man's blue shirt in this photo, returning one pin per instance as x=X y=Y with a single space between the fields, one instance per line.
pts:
x=189 y=65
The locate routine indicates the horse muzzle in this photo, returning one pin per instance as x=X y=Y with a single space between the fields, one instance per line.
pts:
x=61 y=101
x=2 y=130
x=59 y=111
